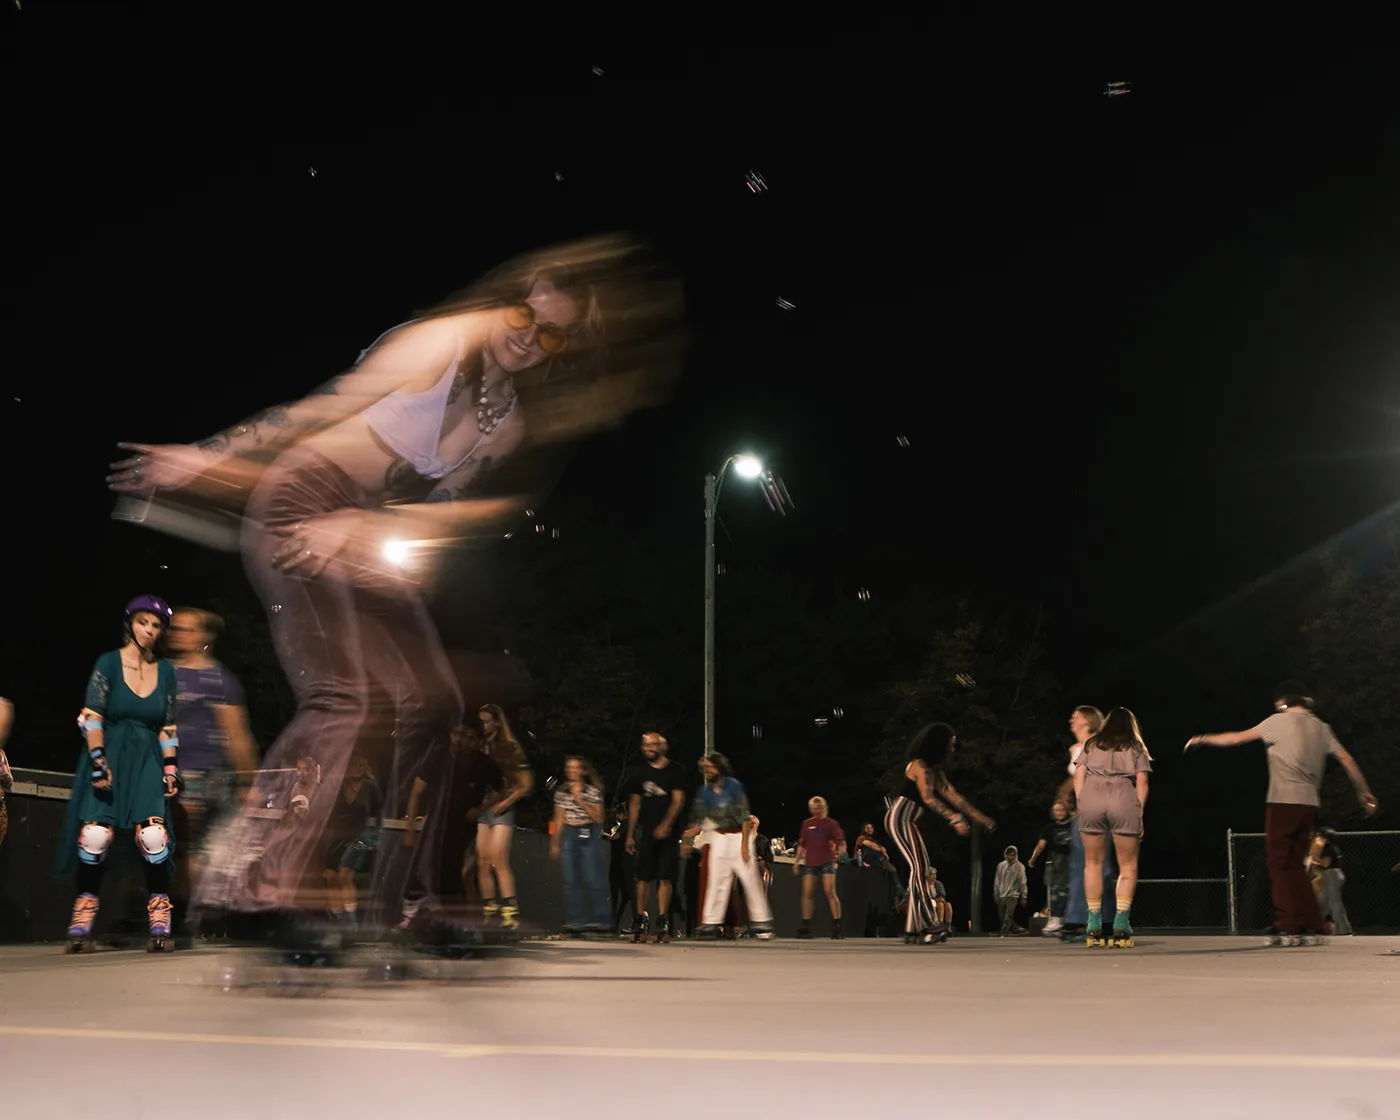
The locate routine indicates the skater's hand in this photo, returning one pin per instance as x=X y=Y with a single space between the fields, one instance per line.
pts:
x=660 y=832
x=630 y=847
x=961 y=828
x=1368 y=803
x=172 y=785
x=156 y=467
x=554 y=848
x=1194 y=741
x=796 y=868
x=744 y=853
x=308 y=546
x=988 y=825
x=1030 y=863
x=104 y=782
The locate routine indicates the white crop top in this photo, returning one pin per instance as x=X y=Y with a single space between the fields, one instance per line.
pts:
x=410 y=422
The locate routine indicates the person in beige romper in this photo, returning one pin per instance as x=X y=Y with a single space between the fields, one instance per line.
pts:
x=1110 y=785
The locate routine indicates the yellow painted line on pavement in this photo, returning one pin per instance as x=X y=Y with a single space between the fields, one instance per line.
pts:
x=488 y=1050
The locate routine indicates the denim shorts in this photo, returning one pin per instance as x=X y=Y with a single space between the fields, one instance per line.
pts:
x=824 y=869
x=493 y=819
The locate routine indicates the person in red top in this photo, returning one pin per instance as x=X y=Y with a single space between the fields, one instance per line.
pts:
x=820 y=845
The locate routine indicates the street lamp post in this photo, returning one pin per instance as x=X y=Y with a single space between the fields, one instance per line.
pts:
x=748 y=467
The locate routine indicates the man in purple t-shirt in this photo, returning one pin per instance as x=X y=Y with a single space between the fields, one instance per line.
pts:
x=820 y=846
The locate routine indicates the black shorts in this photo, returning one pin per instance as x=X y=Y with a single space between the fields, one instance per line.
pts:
x=658 y=861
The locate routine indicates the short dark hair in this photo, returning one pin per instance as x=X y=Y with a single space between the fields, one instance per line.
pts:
x=207 y=619
x=1294 y=695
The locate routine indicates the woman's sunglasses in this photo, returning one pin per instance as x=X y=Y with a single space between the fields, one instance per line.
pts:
x=552 y=338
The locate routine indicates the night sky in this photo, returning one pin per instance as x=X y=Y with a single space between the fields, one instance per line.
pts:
x=1143 y=348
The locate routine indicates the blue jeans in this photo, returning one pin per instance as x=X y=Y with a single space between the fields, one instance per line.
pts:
x=1077 y=912
x=586 y=899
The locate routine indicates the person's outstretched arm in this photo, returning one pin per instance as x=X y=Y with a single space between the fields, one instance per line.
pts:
x=418 y=353
x=1227 y=738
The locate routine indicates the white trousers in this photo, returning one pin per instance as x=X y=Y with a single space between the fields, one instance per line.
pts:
x=726 y=861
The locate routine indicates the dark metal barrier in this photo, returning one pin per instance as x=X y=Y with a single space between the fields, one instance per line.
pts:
x=35 y=904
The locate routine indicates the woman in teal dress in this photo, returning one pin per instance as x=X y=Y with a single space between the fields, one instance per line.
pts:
x=127 y=771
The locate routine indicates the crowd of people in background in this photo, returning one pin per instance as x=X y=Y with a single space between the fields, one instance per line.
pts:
x=168 y=756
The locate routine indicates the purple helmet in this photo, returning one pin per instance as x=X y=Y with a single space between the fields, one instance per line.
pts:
x=157 y=607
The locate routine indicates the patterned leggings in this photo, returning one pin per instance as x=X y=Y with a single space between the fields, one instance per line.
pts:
x=901 y=822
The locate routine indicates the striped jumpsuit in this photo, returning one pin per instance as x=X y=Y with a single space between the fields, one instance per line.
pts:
x=901 y=822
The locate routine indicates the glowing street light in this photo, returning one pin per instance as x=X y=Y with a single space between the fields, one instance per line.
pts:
x=747 y=466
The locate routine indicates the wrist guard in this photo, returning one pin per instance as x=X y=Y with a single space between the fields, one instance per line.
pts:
x=100 y=769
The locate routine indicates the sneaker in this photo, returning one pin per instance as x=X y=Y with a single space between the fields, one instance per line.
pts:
x=1053 y=927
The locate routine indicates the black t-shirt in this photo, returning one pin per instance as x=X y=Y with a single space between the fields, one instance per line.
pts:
x=1332 y=854
x=1056 y=837
x=656 y=784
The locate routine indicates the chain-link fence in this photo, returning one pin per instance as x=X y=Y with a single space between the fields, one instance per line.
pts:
x=1368 y=888
x=1181 y=905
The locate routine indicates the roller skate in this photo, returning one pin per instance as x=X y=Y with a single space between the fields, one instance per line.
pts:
x=763 y=931
x=1280 y=940
x=641 y=929
x=804 y=932
x=510 y=916
x=80 y=926
x=490 y=913
x=1122 y=936
x=663 y=931
x=836 y=934
x=158 y=914
x=1093 y=932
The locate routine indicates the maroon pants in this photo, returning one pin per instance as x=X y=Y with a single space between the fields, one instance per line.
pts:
x=1288 y=832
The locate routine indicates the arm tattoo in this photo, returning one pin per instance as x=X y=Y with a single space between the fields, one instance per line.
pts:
x=251 y=430
x=477 y=482
x=214 y=446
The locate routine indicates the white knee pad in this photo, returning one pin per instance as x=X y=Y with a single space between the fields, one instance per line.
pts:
x=93 y=842
x=153 y=840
